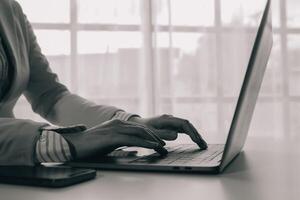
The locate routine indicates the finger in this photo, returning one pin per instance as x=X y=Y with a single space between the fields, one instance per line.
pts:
x=145 y=132
x=198 y=138
x=184 y=126
x=166 y=134
x=198 y=135
x=126 y=140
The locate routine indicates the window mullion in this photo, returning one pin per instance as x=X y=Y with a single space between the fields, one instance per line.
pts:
x=285 y=68
x=147 y=80
x=74 y=47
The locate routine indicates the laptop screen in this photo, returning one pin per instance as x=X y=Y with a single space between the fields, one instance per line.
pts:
x=250 y=89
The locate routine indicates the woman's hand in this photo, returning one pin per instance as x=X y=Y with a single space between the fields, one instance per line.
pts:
x=167 y=127
x=105 y=138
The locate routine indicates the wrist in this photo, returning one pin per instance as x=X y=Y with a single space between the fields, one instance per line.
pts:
x=74 y=140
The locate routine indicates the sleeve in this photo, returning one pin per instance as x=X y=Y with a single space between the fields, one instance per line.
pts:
x=121 y=115
x=52 y=147
x=17 y=141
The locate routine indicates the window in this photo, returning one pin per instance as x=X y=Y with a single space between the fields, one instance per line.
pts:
x=101 y=50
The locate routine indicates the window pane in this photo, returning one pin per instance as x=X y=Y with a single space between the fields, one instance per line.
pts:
x=23 y=110
x=109 y=64
x=51 y=11
x=293 y=44
x=186 y=13
x=56 y=46
x=237 y=12
x=235 y=54
x=202 y=115
x=228 y=109
x=267 y=120
x=60 y=65
x=90 y=42
x=294 y=89
x=54 y=42
x=275 y=13
x=112 y=11
x=188 y=67
x=294 y=121
x=272 y=83
x=293 y=14
x=294 y=63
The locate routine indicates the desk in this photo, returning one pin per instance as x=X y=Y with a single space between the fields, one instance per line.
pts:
x=265 y=170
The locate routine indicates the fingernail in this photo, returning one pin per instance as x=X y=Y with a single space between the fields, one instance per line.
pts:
x=202 y=144
x=203 y=141
x=161 y=150
x=163 y=143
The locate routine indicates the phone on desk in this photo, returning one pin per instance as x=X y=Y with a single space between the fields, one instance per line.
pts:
x=45 y=176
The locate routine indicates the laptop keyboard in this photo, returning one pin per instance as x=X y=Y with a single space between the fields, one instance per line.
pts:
x=186 y=155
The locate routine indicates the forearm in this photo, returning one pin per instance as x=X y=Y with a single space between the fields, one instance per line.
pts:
x=73 y=109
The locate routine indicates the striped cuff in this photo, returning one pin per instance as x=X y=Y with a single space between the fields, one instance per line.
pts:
x=52 y=147
x=123 y=115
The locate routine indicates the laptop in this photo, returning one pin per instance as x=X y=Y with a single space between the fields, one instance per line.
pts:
x=188 y=158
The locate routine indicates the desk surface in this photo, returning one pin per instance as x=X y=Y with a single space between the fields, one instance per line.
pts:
x=265 y=170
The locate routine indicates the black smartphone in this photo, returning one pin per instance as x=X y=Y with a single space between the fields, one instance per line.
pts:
x=45 y=176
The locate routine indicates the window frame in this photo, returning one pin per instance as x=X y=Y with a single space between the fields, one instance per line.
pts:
x=282 y=31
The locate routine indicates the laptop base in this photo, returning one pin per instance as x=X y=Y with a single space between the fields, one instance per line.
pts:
x=181 y=158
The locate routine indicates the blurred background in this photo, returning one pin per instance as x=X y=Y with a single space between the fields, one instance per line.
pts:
x=190 y=63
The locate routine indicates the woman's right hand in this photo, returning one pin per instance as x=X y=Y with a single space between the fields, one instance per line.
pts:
x=104 y=138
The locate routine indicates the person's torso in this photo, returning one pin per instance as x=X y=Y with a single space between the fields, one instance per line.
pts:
x=15 y=45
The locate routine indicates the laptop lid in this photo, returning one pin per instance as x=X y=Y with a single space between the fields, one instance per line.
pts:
x=250 y=89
